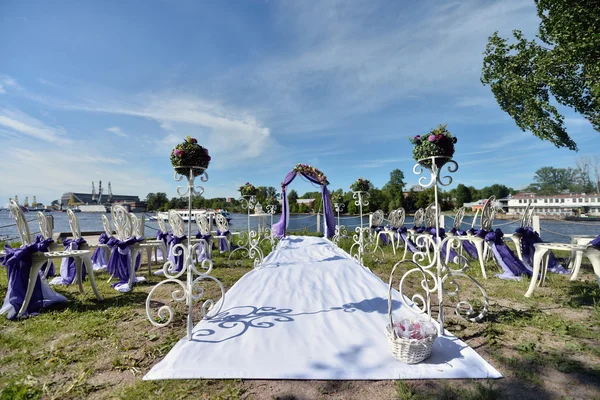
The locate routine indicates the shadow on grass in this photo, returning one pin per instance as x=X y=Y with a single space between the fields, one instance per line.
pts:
x=580 y=294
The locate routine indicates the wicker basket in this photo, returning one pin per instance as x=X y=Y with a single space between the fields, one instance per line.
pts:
x=410 y=351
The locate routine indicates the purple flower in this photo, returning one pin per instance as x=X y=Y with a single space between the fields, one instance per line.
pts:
x=194 y=141
x=431 y=138
x=178 y=152
x=418 y=137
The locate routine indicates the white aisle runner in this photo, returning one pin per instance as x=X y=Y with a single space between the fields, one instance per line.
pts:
x=310 y=313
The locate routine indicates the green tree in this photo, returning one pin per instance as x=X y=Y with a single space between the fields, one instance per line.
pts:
x=293 y=201
x=462 y=194
x=526 y=77
x=394 y=187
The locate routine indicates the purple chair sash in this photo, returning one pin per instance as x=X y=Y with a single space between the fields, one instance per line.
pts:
x=176 y=260
x=67 y=266
x=511 y=265
x=18 y=263
x=595 y=243
x=120 y=258
x=223 y=241
x=99 y=261
x=529 y=238
x=379 y=230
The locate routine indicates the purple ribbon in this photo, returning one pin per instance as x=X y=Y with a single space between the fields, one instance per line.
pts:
x=120 y=258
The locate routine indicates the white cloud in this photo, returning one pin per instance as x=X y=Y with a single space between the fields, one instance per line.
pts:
x=117 y=131
x=6 y=81
x=29 y=126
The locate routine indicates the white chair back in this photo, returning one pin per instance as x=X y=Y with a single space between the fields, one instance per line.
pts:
x=202 y=223
x=46 y=223
x=401 y=216
x=430 y=215
x=419 y=214
x=106 y=225
x=22 y=226
x=393 y=218
x=487 y=214
x=176 y=222
x=121 y=220
x=161 y=223
x=136 y=224
x=460 y=214
x=221 y=222
x=377 y=218
x=529 y=220
x=74 y=224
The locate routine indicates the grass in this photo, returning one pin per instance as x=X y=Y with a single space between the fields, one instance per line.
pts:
x=547 y=345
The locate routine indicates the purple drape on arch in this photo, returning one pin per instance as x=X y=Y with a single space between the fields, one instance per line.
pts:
x=280 y=227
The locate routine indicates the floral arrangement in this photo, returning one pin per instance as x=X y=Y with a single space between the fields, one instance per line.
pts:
x=312 y=172
x=190 y=154
x=337 y=198
x=361 y=185
x=438 y=142
x=247 y=189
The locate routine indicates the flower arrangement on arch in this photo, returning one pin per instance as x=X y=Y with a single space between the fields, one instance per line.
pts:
x=361 y=185
x=437 y=142
x=248 y=189
x=190 y=154
x=312 y=172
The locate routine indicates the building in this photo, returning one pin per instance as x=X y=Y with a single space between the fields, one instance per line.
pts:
x=499 y=204
x=556 y=205
x=86 y=198
x=308 y=202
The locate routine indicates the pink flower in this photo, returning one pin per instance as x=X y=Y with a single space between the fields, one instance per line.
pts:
x=431 y=138
x=438 y=136
x=178 y=152
x=194 y=140
x=418 y=137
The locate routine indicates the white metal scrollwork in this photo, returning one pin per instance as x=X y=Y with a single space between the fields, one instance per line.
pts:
x=358 y=247
x=248 y=242
x=430 y=267
x=190 y=290
x=340 y=230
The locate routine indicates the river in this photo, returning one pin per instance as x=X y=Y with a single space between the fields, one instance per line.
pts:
x=552 y=231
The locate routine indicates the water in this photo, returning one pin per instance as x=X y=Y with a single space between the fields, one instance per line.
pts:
x=552 y=231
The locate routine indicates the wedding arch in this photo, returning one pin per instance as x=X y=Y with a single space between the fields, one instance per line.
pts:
x=315 y=176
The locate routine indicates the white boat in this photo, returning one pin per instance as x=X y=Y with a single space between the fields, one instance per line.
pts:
x=185 y=214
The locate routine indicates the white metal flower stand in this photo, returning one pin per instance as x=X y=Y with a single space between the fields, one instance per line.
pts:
x=190 y=289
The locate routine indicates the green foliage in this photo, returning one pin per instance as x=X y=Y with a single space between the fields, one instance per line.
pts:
x=526 y=77
x=156 y=201
x=462 y=194
x=189 y=153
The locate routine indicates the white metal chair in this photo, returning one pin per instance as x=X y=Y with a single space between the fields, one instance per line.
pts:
x=46 y=224
x=225 y=234
x=39 y=259
x=147 y=245
x=121 y=220
x=203 y=224
x=526 y=221
x=460 y=214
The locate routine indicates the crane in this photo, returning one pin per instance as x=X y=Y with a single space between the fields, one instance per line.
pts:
x=34 y=203
x=26 y=204
x=100 y=192
x=72 y=201
x=93 y=192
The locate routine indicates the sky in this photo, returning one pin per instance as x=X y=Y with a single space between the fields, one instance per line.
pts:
x=103 y=90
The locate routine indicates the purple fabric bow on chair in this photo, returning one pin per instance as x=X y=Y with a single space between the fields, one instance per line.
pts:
x=120 y=261
x=595 y=243
x=51 y=270
x=409 y=243
x=223 y=241
x=511 y=265
x=379 y=230
x=201 y=252
x=176 y=260
x=99 y=261
x=18 y=263
x=67 y=266
x=529 y=238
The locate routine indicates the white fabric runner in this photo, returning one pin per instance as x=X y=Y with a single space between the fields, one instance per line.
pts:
x=310 y=313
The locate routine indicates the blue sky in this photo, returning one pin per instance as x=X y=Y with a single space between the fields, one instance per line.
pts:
x=102 y=90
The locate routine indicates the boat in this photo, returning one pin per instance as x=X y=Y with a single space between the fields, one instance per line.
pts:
x=100 y=208
x=185 y=214
x=582 y=218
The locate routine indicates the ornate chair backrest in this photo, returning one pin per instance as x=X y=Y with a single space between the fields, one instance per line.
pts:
x=202 y=223
x=22 y=226
x=136 y=224
x=106 y=225
x=460 y=214
x=121 y=220
x=529 y=218
x=161 y=223
x=393 y=218
x=221 y=222
x=73 y=224
x=419 y=214
x=45 y=223
x=176 y=222
x=430 y=215
x=523 y=222
x=401 y=216
x=488 y=213
x=377 y=218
